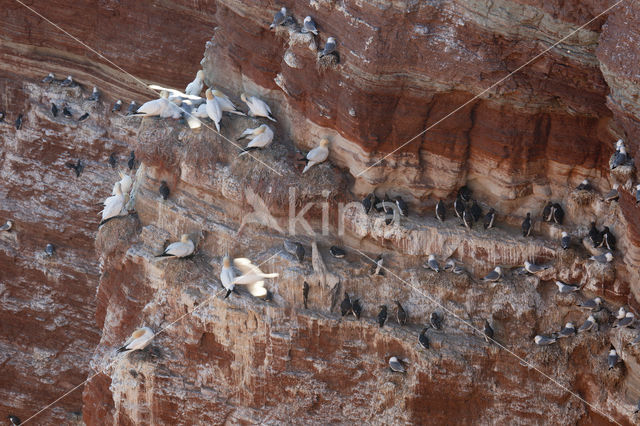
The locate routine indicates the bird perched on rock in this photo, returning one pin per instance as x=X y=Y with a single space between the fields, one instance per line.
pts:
x=253 y=278
x=490 y=218
x=77 y=167
x=14 y=420
x=401 y=314
x=588 y=324
x=228 y=276
x=131 y=162
x=619 y=158
x=533 y=268
x=566 y=288
x=458 y=206
x=19 y=122
x=607 y=238
x=139 y=340
x=164 y=190
x=308 y=26
x=435 y=320
x=612 y=195
x=117 y=106
x=584 y=186
x=113 y=160
x=603 y=258
x=54 y=110
x=305 y=294
x=368 y=202
x=133 y=107
x=125 y=183
x=396 y=366
x=441 y=211
x=317 y=155
x=612 y=358
x=526 y=226
x=402 y=207
x=95 y=94
x=627 y=321
x=7 y=226
x=49 y=78
x=179 y=249
x=261 y=137
x=591 y=304
x=432 y=263
x=542 y=340
x=558 y=213
x=83 y=117
x=488 y=331
x=494 y=275
x=476 y=211
x=49 y=250
x=213 y=109
x=467 y=218
x=547 y=212
x=329 y=47
x=67 y=82
x=155 y=107
x=356 y=308
x=378 y=266
x=279 y=18
x=465 y=193
x=567 y=331
x=565 y=241
x=66 y=112
x=195 y=87
x=345 y=306
x=337 y=252
x=225 y=103
x=423 y=339
x=382 y=316
x=595 y=235
x=257 y=107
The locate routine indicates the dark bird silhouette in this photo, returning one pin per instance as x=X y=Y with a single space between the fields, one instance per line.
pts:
x=526 y=226
x=423 y=339
x=490 y=218
x=465 y=193
x=54 y=110
x=441 y=211
x=476 y=211
x=19 y=122
x=77 y=167
x=66 y=112
x=50 y=249
x=435 y=320
x=547 y=212
x=113 y=160
x=488 y=331
x=356 y=308
x=117 y=106
x=584 y=186
x=558 y=214
x=367 y=203
x=345 y=306
x=133 y=107
x=132 y=160
x=402 y=206
x=305 y=293
x=83 y=116
x=382 y=316
x=401 y=314
x=14 y=420
x=595 y=235
x=164 y=190
x=337 y=252
x=458 y=206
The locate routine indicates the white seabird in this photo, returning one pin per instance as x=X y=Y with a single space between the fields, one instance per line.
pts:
x=113 y=205
x=195 y=87
x=494 y=275
x=566 y=288
x=252 y=277
x=213 y=109
x=125 y=183
x=155 y=107
x=139 y=339
x=627 y=321
x=317 y=155
x=396 y=365
x=621 y=313
x=567 y=331
x=329 y=47
x=7 y=226
x=533 y=268
x=279 y=18
x=182 y=248
x=225 y=103
x=588 y=324
x=262 y=136
x=432 y=264
x=592 y=304
x=544 y=340
x=257 y=107
x=603 y=258
x=308 y=26
x=227 y=276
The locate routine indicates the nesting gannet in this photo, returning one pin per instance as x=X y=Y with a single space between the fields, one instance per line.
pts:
x=612 y=195
x=488 y=331
x=195 y=87
x=182 y=248
x=395 y=365
x=628 y=320
x=15 y=420
x=401 y=314
x=201 y=111
x=402 y=207
x=547 y=212
x=423 y=339
x=133 y=107
x=567 y=331
x=565 y=241
x=66 y=112
x=441 y=211
x=125 y=183
x=54 y=110
x=131 y=162
x=345 y=305
x=526 y=226
x=356 y=308
x=435 y=320
x=7 y=226
x=305 y=294
x=279 y=18
x=77 y=167
x=603 y=258
x=50 y=249
x=337 y=252
x=432 y=264
x=490 y=218
x=227 y=276
x=588 y=324
x=95 y=94
x=544 y=340
x=308 y=26
x=317 y=155
x=612 y=358
x=117 y=106
x=533 y=268
x=257 y=107
x=2 y=115
x=566 y=288
x=83 y=117
x=49 y=78
x=225 y=103
x=113 y=205
x=19 y=122
x=494 y=275
x=155 y=107
x=67 y=81
x=458 y=206
x=139 y=339
x=591 y=304
x=252 y=277
x=164 y=190
x=262 y=136
x=584 y=186
x=213 y=109
x=378 y=266
x=329 y=47
x=382 y=316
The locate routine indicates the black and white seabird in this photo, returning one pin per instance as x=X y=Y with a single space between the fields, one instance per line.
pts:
x=279 y=18
x=67 y=82
x=305 y=294
x=50 y=249
x=467 y=218
x=542 y=340
x=566 y=288
x=77 y=167
x=66 y=112
x=308 y=26
x=476 y=211
x=423 y=339
x=15 y=420
x=627 y=321
x=133 y=107
x=113 y=160
x=441 y=211
x=54 y=110
x=49 y=78
x=401 y=314
x=435 y=320
x=558 y=213
x=488 y=331
x=565 y=241
x=329 y=47
x=612 y=358
x=526 y=226
x=584 y=186
x=619 y=158
x=532 y=268
x=95 y=94
x=117 y=106
x=19 y=122
x=432 y=263
x=402 y=206
x=465 y=193
x=367 y=203
x=396 y=365
x=356 y=308
x=382 y=316
x=458 y=206
x=547 y=212
x=591 y=304
x=494 y=275
x=83 y=116
x=595 y=235
x=131 y=163
x=567 y=331
x=7 y=226
x=490 y=218
x=612 y=195
x=608 y=239
x=378 y=266
x=588 y=324
x=164 y=190
x=603 y=258
x=345 y=306
x=337 y=252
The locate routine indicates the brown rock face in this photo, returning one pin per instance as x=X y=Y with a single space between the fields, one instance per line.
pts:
x=403 y=67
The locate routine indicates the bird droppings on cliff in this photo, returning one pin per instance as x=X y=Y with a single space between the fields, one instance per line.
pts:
x=441 y=211
x=435 y=320
x=542 y=340
x=77 y=167
x=279 y=18
x=345 y=305
x=594 y=304
x=227 y=276
x=565 y=240
x=401 y=314
x=377 y=267
x=261 y=137
x=117 y=106
x=213 y=109
x=54 y=110
x=15 y=420
x=49 y=78
x=179 y=249
x=627 y=321
x=612 y=358
x=164 y=190
x=490 y=218
x=423 y=339
x=396 y=365
x=526 y=226
x=257 y=107
x=139 y=340
x=603 y=258
x=305 y=294
x=567 y=331
x=83 y=117
x=533 y=268
x=7 y=226
x=66 y=112
x=588 y=324
x=67 y=82
x=195 y=87
x=253 y=278
x=432 y=264
x=494 y=275
x=317 y=155
x=584 y=186
x=50 y=250
x=337 y=252
x=308 y=26
x=95 y=95
x=19 y=122
x=566 y=288
x=382 y=316
x=133 y=107
x=131 y=162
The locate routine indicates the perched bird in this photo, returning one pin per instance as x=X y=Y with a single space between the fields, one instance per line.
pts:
x=367 y=203
x=125 y=183
x=66 y=112
x=139 y=339
x=49 y=78
x=95 y=94
x=526 y=226
x=619 y=158
x=279 y=18
x=584 y=186
x=213 y=109
x=308 y=26
x=83 y=116
x=627 y=321
x=294 y=248
x=299 y=252
x=2 y=115
x=378 y=266
x=14 y=419
x=458 y=206
x=423 y=339
x=608 y=239
x=182 y=248
x=402 y=207
x=533 y=268
x=19 y=122
x=637 y=194
x=195 y=87
x=544 y=340
x=401 y=314
x=113 y=160
x=432 y=263
x=337 y=252
x=113 y=205
x=612 y=358
x=225 y=103
x=488 y=331
x=317 y=155
x=435 y=320
x=476 y=211
x=77 y=167
x=588 y=324
x=467 y=218
x=451 y=263
x=382 y=316
x=567 y=331
x=305 y=293
x=131 y=162
x=50 y=249
x=465 y=193
x=133 y=107
x=67 y=82
x=441 y=211
x=565 y=241
x=164 y=190
x=558 y=214
x=494 y=275
x=345 y=306
x=603 y=258
x=622 y=312
x=54 y=110
x=155 y=107
x=547 y=212
x=566 y=288
x=356 y=308
x=329 y=47
x=591 y=304
x=489 y=218
x=612 y=195
x=253 y=278
x=117 y=106
x=228 y=276
x=7 y=226
x=595 y=235
x=396 y=365
x=257 y=107
x=262 y=137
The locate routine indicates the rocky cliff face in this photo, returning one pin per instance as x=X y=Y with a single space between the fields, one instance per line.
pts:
x=403 y=67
